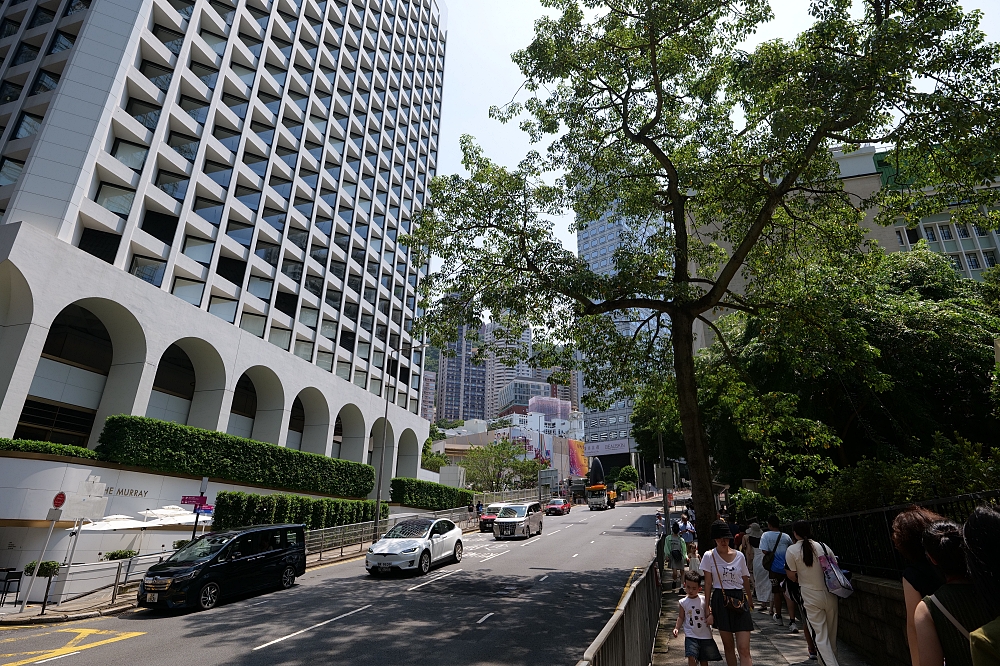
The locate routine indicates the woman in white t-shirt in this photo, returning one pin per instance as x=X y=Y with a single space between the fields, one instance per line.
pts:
x=728 y=577
x=821 y=607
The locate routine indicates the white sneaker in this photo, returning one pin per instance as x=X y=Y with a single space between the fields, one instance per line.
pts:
x=792 y=627
x=777 y=620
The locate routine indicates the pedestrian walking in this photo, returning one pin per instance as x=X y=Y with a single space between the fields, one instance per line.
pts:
x=820 y=605
x=660 y=524
x=945 y=619
x=982 y=550
x=687 y=532
x=774 y=543
x=677 y=552
x=920 y=578
x=794 y=592
x=762 y=582
x=728 y=578
x=699 y=646
x=479 y=508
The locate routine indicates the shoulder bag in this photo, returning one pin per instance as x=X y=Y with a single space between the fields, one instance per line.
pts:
x=675 y=548
x=836 y=581
x=738 y=604
x=951 y=618
x=768 y=559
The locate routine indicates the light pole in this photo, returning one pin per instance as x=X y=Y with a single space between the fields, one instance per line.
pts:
x=385 y=429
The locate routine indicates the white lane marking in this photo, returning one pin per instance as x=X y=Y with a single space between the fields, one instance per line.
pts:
x=258 y=603
x=492 y=555
x=302 y=631
x=528 y=543
x=567 y=527
x=484 y=618
x=554 y=531
x=543 y=578
x=59 y=657
x=434 y=580
x=576 y=554
x=591 y=542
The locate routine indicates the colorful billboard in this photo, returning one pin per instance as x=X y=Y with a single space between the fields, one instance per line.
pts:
x=577 y=458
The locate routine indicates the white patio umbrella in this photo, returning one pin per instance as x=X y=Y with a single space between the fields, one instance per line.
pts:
x=185 y=519
x=114 y=522
x=166 y=511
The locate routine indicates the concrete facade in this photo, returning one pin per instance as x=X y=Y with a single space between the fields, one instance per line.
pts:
x=222 y=183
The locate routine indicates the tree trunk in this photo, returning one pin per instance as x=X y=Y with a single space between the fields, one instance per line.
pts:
x=695 y=443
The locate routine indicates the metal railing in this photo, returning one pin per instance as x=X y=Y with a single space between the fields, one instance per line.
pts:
x=80 y=580
x=862 y=541
x=627 y=639
x=530 y=494
x=352 y=538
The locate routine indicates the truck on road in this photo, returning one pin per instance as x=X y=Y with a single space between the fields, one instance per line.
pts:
x=600 y=497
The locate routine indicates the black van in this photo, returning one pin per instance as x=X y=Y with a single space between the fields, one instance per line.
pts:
x=222 y=564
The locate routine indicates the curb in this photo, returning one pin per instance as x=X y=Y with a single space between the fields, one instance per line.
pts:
x=65 y=617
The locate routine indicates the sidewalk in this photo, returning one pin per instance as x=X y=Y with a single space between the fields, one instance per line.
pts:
x=770 y=644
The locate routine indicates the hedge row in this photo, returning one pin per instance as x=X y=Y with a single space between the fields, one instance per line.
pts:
x=428 y=495
x=236 y=509
x=46 y=447
x=170 y=447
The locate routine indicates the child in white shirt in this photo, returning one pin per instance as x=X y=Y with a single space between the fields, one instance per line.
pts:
x=699 y=646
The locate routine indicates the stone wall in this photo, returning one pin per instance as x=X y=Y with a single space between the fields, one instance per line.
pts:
x=873 y=621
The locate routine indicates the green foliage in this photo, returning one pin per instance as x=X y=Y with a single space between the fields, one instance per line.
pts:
x=436 y=434
x=120 y=554
x=626 y=486
x=180 y=543
x=46 y=447
x=612 y=475
x=238 y=509
x=429 y=460
x=446 y=424
x=500 y=466
x=746 y=504
x=628 y=474
x=48 y=569
x=953 y=467
x=170 y=447
x=427 y=494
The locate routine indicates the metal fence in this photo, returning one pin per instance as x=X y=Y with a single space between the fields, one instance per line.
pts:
x=862 y=541
x=531 y=494
x=80 y=580
x=627 y=639
x=346 y=539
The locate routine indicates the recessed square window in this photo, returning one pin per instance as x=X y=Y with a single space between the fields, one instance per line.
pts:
x=44 y=82
x=10 y=171
x=199 y=249
x=207 y=75
x=147 y=114
x=10 y=92
x=257 y=163
x=184 y=144
x=174 y=184
x=172 y=39
x=209 y=210
x=159 y=76
x=115 y=198
x=280 y=337
x=237 y=105
x=189 y=290
x=42 y=16
x=254 y=324
x=219 y=172
x=195 y=108
x=260 y=287
x=8 y=28
x=101 y=244
x=62 y=42
x=77 y=6
x=184 y=7
x=240 y=232
x=25 y=53
x=148 y=269
x=215 y=41
x=223 y=308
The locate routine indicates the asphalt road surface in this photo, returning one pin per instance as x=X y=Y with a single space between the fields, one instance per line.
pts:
x=539 y=601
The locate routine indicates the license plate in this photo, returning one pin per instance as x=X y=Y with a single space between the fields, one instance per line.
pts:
x=384 y=566
x=152 y=597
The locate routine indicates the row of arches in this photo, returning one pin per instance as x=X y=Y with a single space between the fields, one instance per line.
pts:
x=95 y=351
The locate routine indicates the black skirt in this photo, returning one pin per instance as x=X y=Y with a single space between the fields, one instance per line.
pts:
x=726 y=619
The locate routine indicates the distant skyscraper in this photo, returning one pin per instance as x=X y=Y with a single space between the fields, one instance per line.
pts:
x=499 y=375
x=461 y=384
x=428 y=396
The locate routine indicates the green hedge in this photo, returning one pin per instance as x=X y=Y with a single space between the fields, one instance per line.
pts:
x=46 y=447
x=236 y=509
x=428 y=495
x=170 y=447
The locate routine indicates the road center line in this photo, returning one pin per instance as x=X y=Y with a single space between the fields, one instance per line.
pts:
x=59 y=657
x=591 y=542
x=554 y=531
x=451 y=573
x=576 y=554
x=302 y=631
x=543 y=578
x=484 y=618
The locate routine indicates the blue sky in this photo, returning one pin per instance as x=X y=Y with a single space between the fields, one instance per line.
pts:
x=479 y=73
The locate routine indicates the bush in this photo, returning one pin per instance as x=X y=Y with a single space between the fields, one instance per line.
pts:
x=427 y=494
x=48 y=569
x=748 y=504
x=629 y=474
x=237 y=509
x=46 y=447
x=170 y=447
x=120 y=554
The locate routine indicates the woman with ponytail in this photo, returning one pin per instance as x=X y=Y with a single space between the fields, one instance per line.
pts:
x=982 y=550
x=820 y=606
x=945 y=619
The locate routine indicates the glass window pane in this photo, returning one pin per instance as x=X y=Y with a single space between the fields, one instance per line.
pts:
x=174 y=184
x=223 y=308
x=303 y=349
x=280 y=337
x=27 y=126
x=199 y=249
x=195 y=108
x=147 y=114
x=10 y=171
x=77 y=6
x=189 y=290
x=159 y=76
x=185 y=145
x=325 y=360
x=41 y=17
x=44 y=82
x=252 y=323
x=9 y=92
x=130 y=154
x=148 y=269
x=216 y=42
x=241 y=233
x=25 y=53
x=344 y=370
x=8 y=28
x=170 y=38
x=260 y=287
x=62 y=42
x=116 y=199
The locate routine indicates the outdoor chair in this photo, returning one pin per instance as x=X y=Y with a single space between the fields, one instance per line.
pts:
x=9 y=578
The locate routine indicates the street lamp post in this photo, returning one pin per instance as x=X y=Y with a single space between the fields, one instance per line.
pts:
x=385 y=429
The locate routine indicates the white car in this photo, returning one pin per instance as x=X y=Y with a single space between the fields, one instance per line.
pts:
x=415 y=544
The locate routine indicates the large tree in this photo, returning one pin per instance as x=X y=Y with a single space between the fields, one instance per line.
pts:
x=500 y=465
x=712 y=163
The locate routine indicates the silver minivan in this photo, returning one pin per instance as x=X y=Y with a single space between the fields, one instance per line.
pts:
x=518 y=520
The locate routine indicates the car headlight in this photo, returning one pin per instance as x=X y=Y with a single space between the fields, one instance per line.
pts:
x=409 y=550
x=370 y=551
x=521 y=524
x=187 y=576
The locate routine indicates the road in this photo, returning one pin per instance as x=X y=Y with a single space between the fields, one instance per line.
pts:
x=540 y=601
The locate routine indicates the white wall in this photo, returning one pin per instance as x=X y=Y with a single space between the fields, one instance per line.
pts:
x=66 y=383
x=168 y=407
x=427 y=475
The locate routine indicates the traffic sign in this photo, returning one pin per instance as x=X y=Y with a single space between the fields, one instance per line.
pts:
x=197 y=500
x=59 y=500
x=205 y=509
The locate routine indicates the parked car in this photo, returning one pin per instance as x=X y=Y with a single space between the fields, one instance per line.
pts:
x=515 y=520
x=489 y=515
x=222 y=564
x=415 y=544
x=558 y=506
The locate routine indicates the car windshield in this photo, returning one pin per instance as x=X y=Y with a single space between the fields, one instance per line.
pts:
x=556 y=503
x=410 y=529
x=493 y=509
x=513 y=512
x=200 y=548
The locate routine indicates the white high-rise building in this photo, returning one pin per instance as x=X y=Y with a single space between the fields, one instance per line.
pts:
x=499 y=375
x=201 y=203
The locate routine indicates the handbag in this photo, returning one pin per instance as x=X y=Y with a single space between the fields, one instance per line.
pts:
x=836 y=581
x=741 y=604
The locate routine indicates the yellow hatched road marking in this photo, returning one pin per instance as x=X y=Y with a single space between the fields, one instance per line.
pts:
x=74 y=645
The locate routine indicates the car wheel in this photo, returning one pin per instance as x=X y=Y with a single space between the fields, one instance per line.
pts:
x=458 y=552
x=425 y=563
x=208 y=597
x=287 y=578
